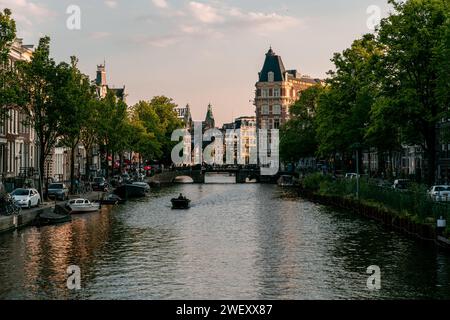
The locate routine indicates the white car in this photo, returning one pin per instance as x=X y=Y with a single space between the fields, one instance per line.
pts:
x=440 y=193
x=26 y=197
x=352 y=176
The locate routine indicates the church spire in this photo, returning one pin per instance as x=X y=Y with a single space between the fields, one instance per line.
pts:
x=209 y=120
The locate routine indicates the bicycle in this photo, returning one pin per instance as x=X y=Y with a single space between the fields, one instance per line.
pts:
x=10 y=207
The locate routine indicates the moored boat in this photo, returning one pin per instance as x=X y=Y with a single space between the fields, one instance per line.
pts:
x=144 y=185
x=131 y=190
x=50 y=217
x=111 y=199
x=286 y=181
x=82 y=206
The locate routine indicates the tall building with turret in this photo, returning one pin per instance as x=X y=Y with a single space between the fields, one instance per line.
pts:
x=102 y=85
x=277 y=90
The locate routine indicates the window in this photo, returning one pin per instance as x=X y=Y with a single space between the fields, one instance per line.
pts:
x=271 y=76
x=276 y=92
x=265 y=93
x=264 y=124
x=265 y=109
x=276 y=109
x=276 y=124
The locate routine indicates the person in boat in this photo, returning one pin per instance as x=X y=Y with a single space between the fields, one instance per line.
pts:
x=181 y=197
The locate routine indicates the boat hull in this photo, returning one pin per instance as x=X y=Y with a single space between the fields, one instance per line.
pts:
x=93 y=208
x=180 y=204
x=130 y=191
x=52 y=218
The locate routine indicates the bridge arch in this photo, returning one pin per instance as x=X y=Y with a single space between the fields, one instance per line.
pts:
x=183 y=179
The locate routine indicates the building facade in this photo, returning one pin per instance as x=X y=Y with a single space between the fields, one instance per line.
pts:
x=240 y=147
x=277 y=90
x=18 y=149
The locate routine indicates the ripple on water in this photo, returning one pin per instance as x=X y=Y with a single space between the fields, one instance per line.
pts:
x=236 y=242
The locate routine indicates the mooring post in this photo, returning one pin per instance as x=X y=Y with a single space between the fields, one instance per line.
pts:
x=441 y=224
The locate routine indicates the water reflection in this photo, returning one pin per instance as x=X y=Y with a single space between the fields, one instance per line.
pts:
x=236 y=242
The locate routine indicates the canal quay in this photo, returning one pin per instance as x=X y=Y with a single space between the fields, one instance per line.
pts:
x=237 y=241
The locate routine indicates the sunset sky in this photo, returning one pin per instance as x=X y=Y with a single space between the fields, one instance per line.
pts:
x=196 y=52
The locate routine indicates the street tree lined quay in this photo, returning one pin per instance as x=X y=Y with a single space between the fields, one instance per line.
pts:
x=388 y=90
x=62 y=106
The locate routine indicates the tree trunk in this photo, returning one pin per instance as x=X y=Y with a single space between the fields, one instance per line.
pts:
x=42 y=170
x=72 y=169
x=121 y=163
x=113 y=163
x=431 y=157
x=88 y=162
x=107 y=163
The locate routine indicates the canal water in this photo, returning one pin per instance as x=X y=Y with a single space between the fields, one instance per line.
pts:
x=245 y=241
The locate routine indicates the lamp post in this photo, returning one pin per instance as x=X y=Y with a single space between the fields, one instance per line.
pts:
x=357 y=147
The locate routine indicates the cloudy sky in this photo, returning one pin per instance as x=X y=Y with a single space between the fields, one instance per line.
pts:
x=199 y=51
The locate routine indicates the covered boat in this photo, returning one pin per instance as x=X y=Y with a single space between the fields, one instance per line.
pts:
x=82 y=206
x=49 y=216
x=111 y=199
x=286 y=181
x=131 y=190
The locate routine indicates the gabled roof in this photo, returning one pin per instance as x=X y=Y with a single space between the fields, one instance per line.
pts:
x=273 y=63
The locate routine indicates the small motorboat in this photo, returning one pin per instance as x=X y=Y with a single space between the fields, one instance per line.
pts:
x=286 y=181
x=180 y=203
x=82 y=206
x=51 y=217
x=132 y=190
x=111 y=199
x=144 y=185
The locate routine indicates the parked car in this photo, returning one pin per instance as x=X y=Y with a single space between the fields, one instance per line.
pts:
x=401 y=184
x=352 y=176
x=440 y=193
x=3 y=193
x=100 y=184
x=26 y=197
x=58 y=191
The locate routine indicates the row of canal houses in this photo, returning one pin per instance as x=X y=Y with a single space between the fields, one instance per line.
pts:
x=275 y=91
x=19 y=151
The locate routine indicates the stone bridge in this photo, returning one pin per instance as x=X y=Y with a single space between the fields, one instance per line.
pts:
x=198 y=175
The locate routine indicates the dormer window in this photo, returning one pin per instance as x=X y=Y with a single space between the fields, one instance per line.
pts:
x=271 y=76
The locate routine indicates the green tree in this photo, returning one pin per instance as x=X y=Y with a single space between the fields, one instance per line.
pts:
x=112 y=126
x=298 y=135
x=39 y=83
x=8 y=79
x=343 y=113
x=159 y=118
x=415 y=76
x=89 y=135
x=75 y=94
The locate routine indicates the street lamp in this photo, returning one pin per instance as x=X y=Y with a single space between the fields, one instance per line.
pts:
x=357 y=147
